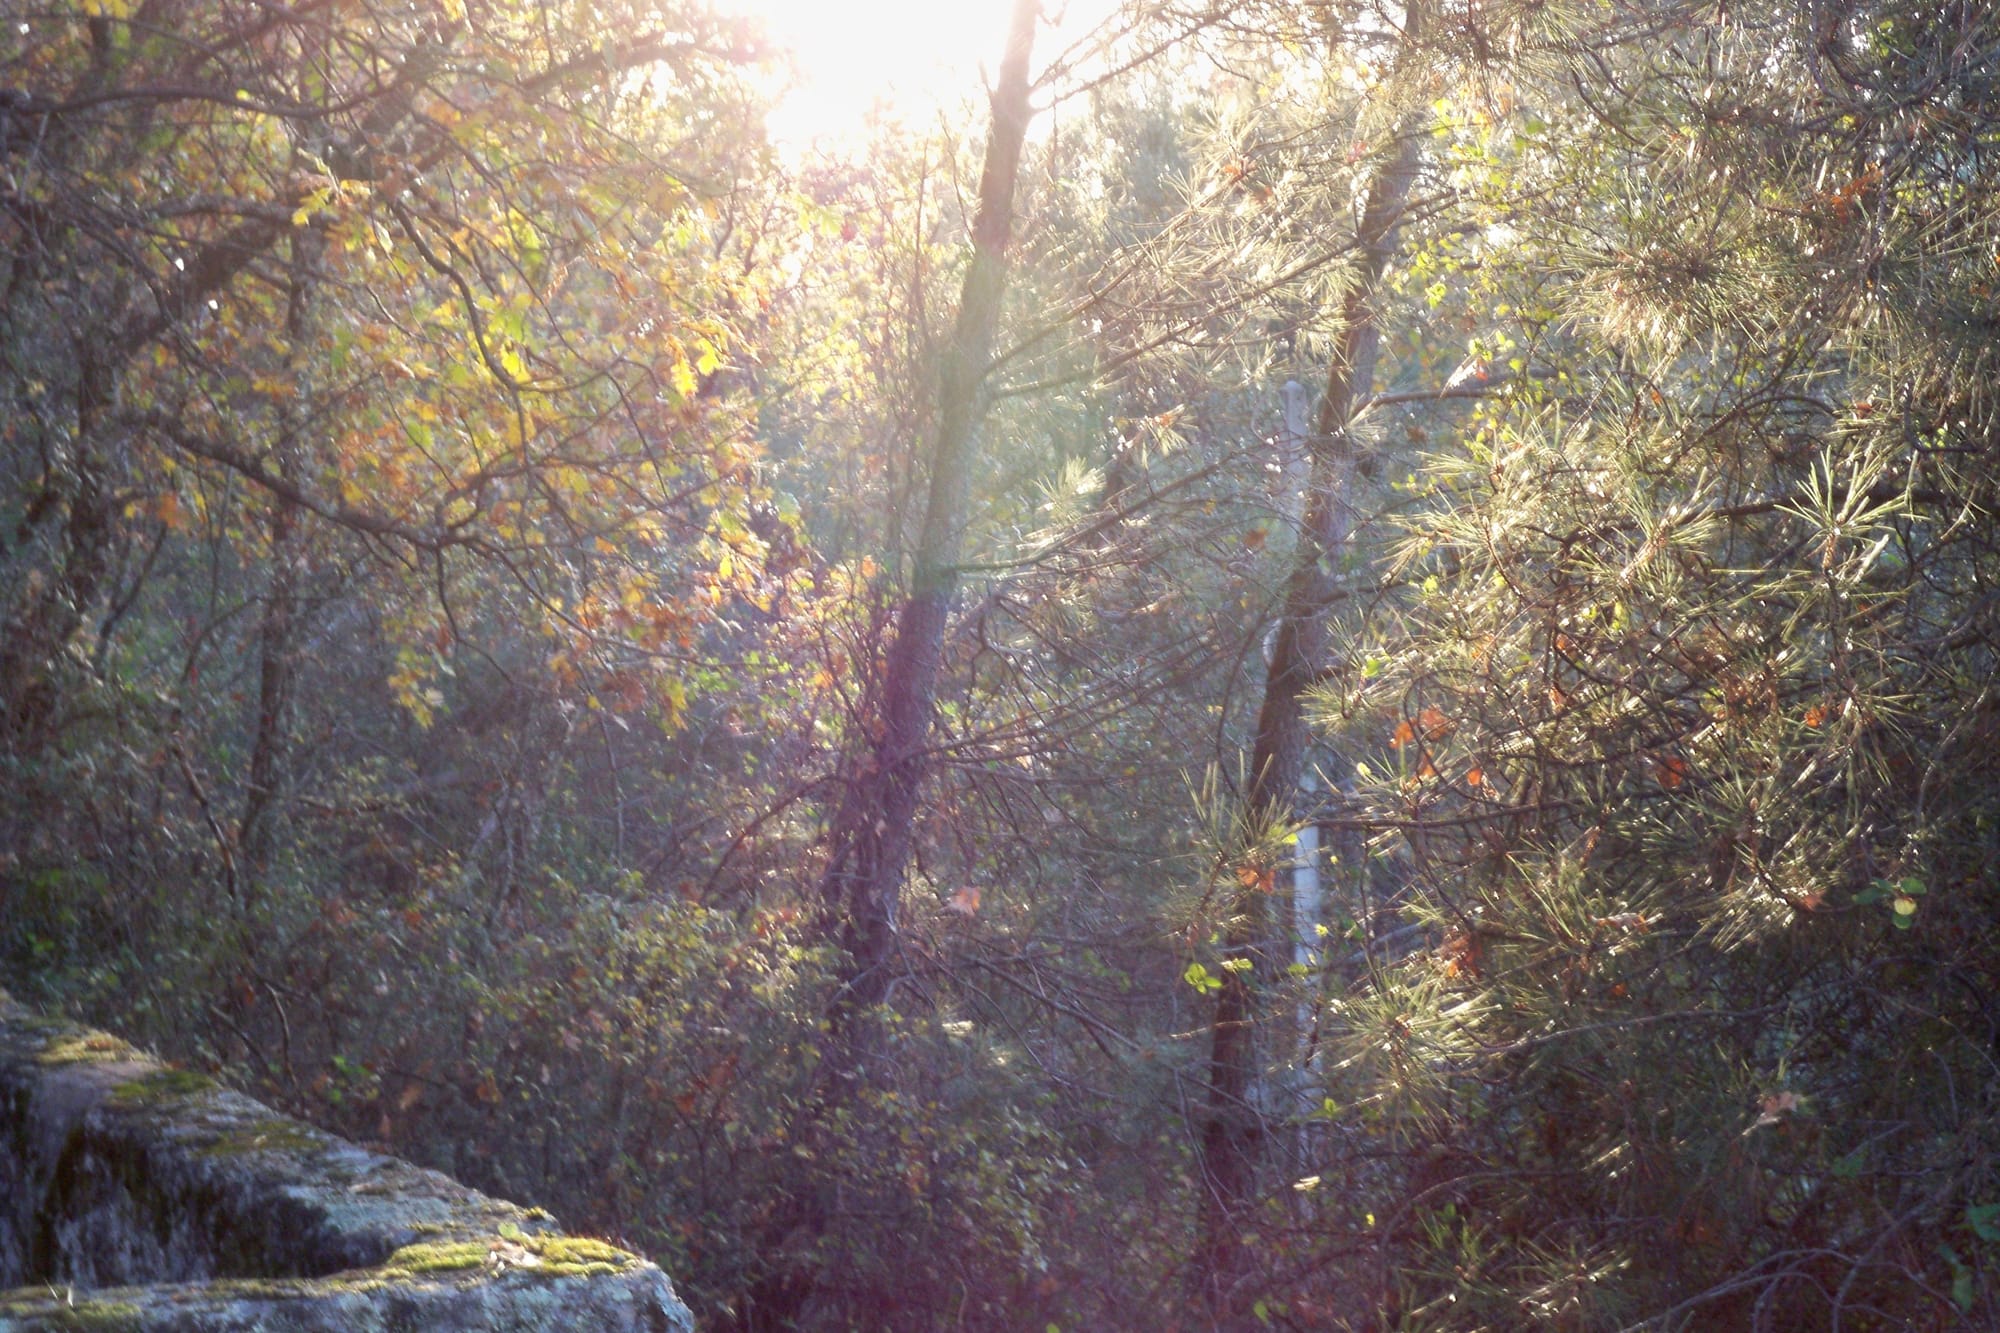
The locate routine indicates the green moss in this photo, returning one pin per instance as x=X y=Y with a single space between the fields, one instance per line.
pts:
x=162 y=1085
x=438 y=1257
x=559 y=1256
x=272 y=1135
x=579 y=1256
x=96 y=1316
x=86 y=1048
x=578 y=1249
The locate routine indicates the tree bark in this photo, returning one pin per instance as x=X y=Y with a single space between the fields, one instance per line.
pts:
x=277 y=628
x=862 y=884
x=46 y=612
x=1234 y=1131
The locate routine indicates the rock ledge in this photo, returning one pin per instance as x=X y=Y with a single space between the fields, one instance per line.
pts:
x=145 y=1199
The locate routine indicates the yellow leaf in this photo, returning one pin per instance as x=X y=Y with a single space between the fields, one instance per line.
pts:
x=454 y=10
x=315 y=202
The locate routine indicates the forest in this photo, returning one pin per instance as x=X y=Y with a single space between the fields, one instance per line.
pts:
x=1309 y=664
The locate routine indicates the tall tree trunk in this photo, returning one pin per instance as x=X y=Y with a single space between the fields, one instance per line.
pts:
x=862 y=885
x=1234 y=1131
x=276 y=629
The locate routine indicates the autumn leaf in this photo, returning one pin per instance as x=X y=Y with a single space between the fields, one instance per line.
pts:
x=1462 y=954
x=966 y=901
x=1772 y=1109
x=1261 y=878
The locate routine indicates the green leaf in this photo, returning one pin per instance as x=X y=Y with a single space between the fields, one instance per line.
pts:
x=1962 y=1293
x=1984 y=1219
x=1198 y=977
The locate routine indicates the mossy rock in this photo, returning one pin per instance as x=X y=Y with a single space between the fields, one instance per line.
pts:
x=162 y=1085
x=275 y=1135
x=76 y=1047
x=182 y=1179
x=83 y=1316
x=439 y=1257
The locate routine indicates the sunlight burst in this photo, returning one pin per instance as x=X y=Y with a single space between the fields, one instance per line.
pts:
x=902 y=58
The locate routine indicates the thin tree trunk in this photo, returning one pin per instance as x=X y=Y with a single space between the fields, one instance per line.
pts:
x=276 y=629
x=863 y=881
x=1234 y=1132
x=49 y=609
x=861 y=888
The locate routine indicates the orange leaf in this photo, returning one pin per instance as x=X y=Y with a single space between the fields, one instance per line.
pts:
x=1405 y=733
x=1475 y=777
x=1816 y=715
x=966 y=901
x=1671 y=770
x=1435 y=724
x=1261 y=878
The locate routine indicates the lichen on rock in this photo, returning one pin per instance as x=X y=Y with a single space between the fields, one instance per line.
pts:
x=135 y=1196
